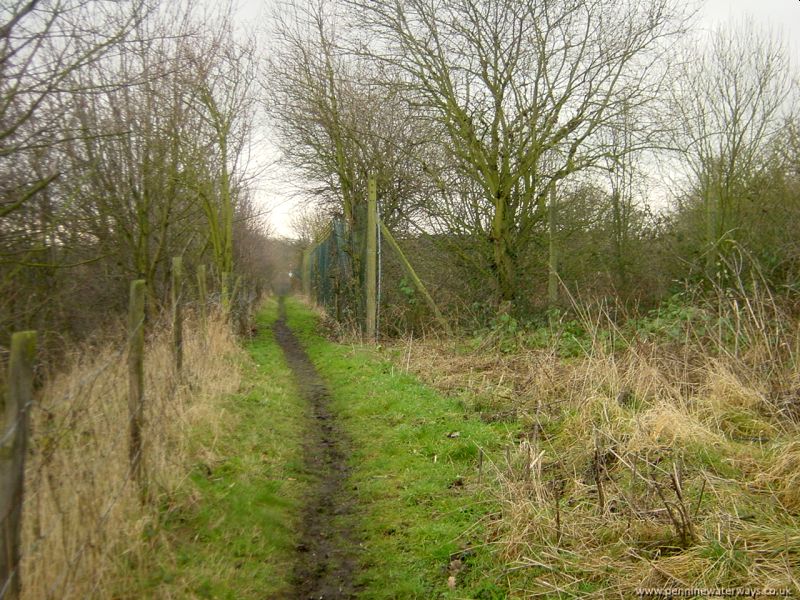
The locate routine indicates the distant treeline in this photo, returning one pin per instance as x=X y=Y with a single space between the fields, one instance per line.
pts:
x=530 y=151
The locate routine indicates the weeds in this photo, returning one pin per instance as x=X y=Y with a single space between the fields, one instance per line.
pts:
x=659 y=451
x=85 y=531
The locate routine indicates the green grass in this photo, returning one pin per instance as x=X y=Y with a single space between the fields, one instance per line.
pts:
x=416 y=487
x=230 y=532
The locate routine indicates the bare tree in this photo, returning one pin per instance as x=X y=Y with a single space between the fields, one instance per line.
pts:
x=622 y=173
x=308 y=223
x=223 y=85
x=335 y=123
x=339 y=126
x=728 y=104
x=138 y=151
x=42 y=45
x=128 y=164
x=521 y=91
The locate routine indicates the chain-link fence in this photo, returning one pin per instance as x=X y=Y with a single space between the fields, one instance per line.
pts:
x=329 y=272
x=342 y=268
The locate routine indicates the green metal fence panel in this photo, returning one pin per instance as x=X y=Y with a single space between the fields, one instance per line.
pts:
x=330 y=271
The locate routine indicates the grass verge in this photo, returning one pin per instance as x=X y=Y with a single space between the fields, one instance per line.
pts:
x=230 y=531
x=85 y=532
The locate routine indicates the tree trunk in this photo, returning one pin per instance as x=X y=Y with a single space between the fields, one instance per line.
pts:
x=370 y=271
x=711 y=231
x=620 y=232
x=503 y=260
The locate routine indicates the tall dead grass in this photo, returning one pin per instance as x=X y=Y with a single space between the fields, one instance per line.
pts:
x=659 y=461
x=85 y=527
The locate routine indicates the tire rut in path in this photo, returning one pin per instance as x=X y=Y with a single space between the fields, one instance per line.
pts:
x=326 y=553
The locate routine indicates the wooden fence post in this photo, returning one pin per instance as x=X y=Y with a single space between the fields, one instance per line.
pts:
x=202 y=298
x=13 y=442
x=371 y=266
x=136 y=379
x=177 y=316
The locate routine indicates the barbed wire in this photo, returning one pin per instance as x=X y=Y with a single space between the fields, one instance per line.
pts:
x=70 y=398
x=8 y=581
x=85 y=388
x=75 y=559
x=75 y=391
x=78 y=554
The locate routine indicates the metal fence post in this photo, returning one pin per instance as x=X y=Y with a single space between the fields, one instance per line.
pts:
x=371 y=266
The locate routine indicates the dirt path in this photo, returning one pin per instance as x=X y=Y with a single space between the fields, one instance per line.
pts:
x=326 y=557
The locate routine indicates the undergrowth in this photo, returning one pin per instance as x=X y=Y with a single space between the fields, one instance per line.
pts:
x=86 y=532
x=660 y=451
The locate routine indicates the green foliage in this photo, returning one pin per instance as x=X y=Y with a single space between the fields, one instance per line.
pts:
x=670 y=320
x=573 y=339
x=407 y=289
x=682 y=315
x=505 y=329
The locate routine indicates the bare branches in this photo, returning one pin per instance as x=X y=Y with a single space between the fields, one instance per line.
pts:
x=122 y=132
x=729 y=103
x=520 y=91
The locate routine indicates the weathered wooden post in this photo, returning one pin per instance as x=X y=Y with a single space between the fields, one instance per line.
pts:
x=136 y=379
x=202 y=298
x=372 y=262
x=13 y=442
x=177 y=313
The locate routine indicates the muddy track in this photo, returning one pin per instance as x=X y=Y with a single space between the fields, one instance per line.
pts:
x=326 y=552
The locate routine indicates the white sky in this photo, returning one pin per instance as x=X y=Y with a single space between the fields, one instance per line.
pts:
x=275 y=189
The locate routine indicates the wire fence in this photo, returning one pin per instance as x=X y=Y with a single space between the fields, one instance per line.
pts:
x=343 y=268
x=330 y=272
x=85 y=459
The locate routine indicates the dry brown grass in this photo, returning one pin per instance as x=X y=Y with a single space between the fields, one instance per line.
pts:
x=662 y=464
x=84 y=526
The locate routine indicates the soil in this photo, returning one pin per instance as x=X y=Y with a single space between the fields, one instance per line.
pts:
x=327 y=550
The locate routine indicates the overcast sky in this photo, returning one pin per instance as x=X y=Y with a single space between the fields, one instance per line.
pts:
x=275 y=189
